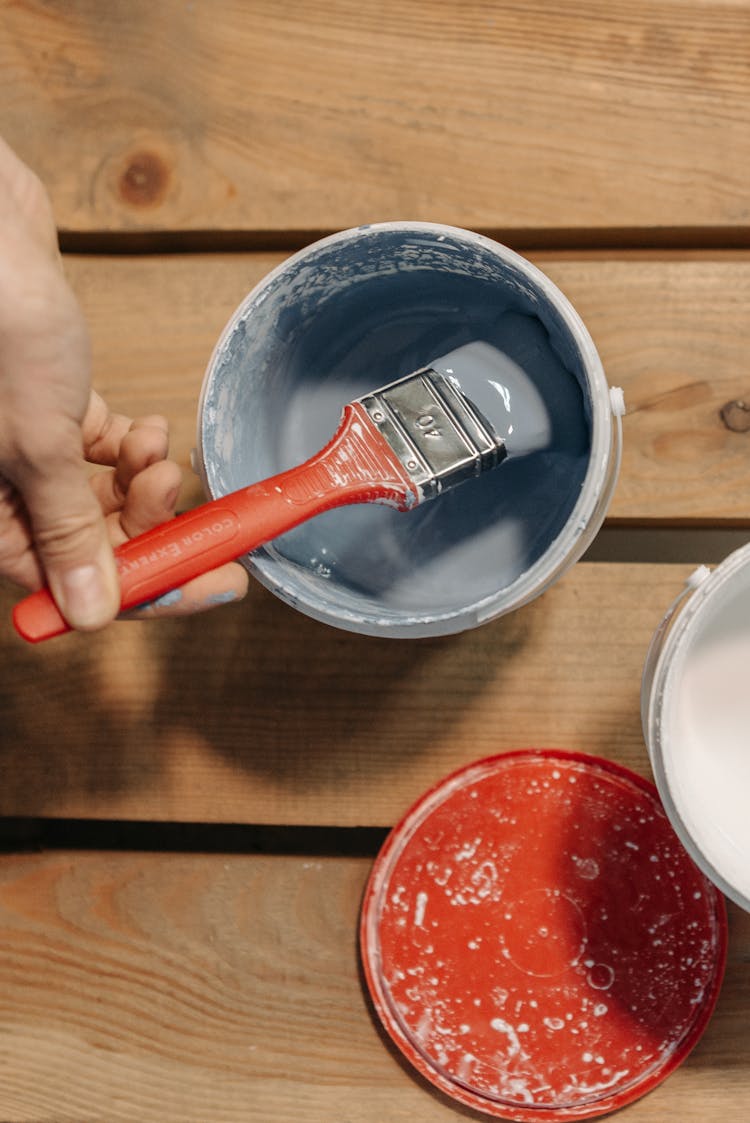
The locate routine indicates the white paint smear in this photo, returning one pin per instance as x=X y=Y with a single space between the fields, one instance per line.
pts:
x=707 y=752
x=501 y=1026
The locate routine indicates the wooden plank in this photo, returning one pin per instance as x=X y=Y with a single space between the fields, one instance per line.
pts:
x=176 y=989
x=579 y=117
x=673 y=331
x=256 y=714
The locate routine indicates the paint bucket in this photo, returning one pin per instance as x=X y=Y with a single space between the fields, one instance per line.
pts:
x=695 y=709
x=351 y=313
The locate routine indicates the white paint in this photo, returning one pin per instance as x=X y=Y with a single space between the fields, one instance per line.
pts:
x=601 y=1086
x=711 y=779
x=424 y=1028
x=600 y=977
x=701 y=729
x=419 y=909
x=501 y=1026
x=468 y=850
x=465 y=1066
x=587 y=868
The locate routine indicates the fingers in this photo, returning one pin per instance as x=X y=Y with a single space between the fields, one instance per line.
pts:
x=18 y=559
x=149 y=501
x=67 y=509
x=224 y=585
x=143 y=444
x=52 y=425
x=71 y=536
x=141 y=493
x=103 y=433
x=44 y=388
x=146 y=443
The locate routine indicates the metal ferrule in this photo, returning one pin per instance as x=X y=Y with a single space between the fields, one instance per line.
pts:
x=438 y=435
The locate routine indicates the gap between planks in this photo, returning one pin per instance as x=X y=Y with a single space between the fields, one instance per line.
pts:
x=29 y=835
x=539 y=240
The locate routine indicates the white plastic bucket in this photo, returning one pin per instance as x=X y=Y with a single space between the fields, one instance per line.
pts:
x=695 y=708
x=343 y=317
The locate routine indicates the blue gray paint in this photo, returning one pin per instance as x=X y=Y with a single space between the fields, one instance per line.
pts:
x=166 y=600
x=221 y=598
x=355 y=315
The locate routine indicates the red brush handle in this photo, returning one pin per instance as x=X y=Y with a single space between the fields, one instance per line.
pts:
x=356 y=466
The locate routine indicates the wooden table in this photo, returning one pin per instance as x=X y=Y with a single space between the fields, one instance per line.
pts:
x=191 y=808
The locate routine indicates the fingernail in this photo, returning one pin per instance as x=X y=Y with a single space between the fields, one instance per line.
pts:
x=166 y=600
x=170 y=499
x=84 y=597
x=222 y=598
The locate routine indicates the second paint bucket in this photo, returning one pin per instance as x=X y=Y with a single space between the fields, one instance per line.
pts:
x=695 y=706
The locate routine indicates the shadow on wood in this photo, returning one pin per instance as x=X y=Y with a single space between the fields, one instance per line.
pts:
x=157 y=709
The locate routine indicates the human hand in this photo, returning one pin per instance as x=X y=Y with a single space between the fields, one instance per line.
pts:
x=139 y=493
x=56 y=525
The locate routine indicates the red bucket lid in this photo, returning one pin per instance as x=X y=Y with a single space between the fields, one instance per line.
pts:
x=537 y=942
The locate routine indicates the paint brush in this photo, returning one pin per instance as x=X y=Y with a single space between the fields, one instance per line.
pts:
x=401 y=445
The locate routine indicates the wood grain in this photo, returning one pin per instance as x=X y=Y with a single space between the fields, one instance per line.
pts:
x=256 y=714
x=180 y=988
x=155 y=988
x=581 y=118
x=673 y=331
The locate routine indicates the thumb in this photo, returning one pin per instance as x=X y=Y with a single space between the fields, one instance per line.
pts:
x=71 y=540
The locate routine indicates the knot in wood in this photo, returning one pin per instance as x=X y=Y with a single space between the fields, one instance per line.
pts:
x=736 y=415
x=145 y=179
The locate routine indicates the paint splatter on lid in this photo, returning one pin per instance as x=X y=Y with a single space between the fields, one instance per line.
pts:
x=537 y=942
